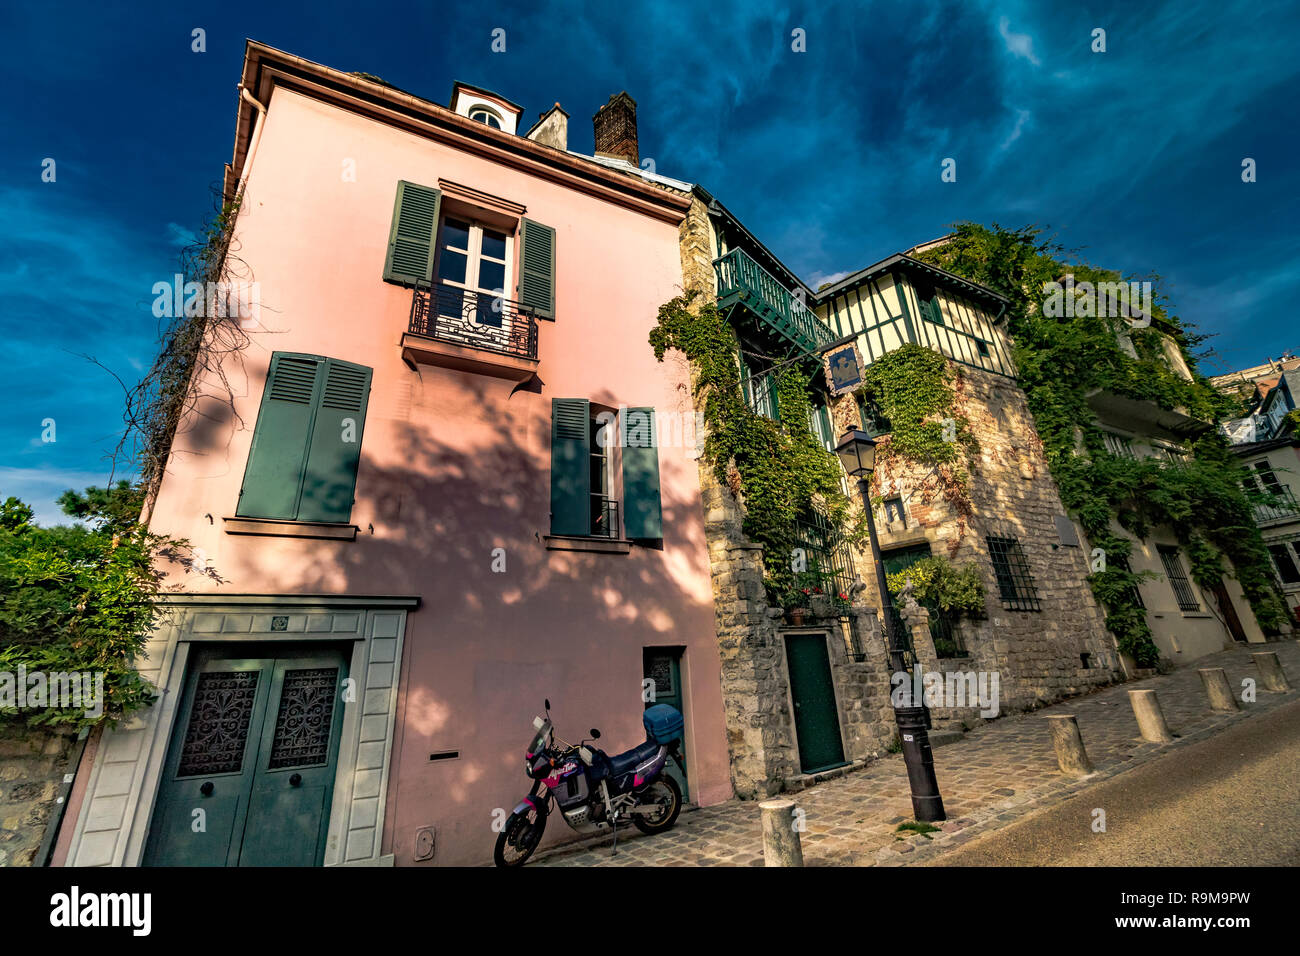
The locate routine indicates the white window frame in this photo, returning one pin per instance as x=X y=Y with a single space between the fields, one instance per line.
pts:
x=487 y=111
x=474 y=254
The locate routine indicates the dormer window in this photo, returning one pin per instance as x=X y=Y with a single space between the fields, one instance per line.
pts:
x=481 y=114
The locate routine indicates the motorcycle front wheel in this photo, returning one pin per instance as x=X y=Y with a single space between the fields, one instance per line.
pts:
x=519 y=838
x=664 y=793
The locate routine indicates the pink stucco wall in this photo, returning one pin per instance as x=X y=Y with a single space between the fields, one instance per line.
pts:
x=452 y=466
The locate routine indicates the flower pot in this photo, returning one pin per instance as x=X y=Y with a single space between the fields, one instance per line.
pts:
x=796 y=615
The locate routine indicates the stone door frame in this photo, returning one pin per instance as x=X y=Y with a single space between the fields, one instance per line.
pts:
x=113 y=822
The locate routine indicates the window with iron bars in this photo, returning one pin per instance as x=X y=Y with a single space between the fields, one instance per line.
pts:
x=1011 y=567
x=1178 y=579
x=1133 y=592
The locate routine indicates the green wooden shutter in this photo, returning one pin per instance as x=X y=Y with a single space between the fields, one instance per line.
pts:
x=570 y=466
x=642 y=511
x=413 y=233
x=537 y=268
x=331 y=475
x=278 y=457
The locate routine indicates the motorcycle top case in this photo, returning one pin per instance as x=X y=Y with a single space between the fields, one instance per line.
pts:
x=663 y=724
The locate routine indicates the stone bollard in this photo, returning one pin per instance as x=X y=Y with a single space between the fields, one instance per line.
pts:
x=1151 y=720
x=1070 y=755
x=781 y=846
x=1271 y=675
x=1218 y=689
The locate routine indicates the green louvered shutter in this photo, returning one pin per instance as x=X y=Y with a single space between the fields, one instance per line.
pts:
x=278 y=457
x=570 y=466
x=331 y=474
x=537 y=268
x=642 y=511
x=413 y=233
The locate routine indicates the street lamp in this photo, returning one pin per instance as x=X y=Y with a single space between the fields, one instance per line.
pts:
x=857 y=452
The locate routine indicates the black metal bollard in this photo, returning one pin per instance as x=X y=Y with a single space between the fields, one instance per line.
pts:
x=927 y=804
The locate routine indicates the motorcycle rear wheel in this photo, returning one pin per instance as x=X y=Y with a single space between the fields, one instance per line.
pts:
x=665 y=792
x=519 y=838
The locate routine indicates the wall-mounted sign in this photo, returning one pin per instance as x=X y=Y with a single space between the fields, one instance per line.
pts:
x=843 y=369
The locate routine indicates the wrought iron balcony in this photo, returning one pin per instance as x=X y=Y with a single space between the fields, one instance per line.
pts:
x=471 y=331
x=742 y=281
x=1283 y=507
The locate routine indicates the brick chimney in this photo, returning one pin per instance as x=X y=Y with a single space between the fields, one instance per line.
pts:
x=615 y=128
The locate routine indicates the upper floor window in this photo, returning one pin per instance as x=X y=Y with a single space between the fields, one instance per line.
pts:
x=474 y=256
x=426 y=248
x=1285 y=555
x=591 y=447
x=1118 y=445
x=1261 y=478
x=307 y=442
x=895 y=511
x=759 y=389
x=481 y=114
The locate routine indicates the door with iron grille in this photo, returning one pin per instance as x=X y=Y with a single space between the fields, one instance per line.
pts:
x=250 y=769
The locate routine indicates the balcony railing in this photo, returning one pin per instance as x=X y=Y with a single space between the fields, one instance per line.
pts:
x=1283 y=507
x=742 y=280
x=478 y=320
x=604 y=517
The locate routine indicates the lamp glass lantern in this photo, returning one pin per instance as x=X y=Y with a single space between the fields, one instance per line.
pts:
x=857 y=452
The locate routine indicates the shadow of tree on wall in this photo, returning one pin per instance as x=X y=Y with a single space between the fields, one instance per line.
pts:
x=486 y=646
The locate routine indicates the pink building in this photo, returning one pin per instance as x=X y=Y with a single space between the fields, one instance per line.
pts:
x=403 y=486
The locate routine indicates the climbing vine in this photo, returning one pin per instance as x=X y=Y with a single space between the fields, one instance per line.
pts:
x=778 y=469
x=1062 y=359
x=914 y=388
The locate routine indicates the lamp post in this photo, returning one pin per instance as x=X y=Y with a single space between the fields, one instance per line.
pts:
x=857 y=452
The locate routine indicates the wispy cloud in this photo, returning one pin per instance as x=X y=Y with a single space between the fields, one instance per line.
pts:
x=1019 y=44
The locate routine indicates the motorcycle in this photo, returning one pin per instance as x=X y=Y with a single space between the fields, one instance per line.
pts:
x=593 y=789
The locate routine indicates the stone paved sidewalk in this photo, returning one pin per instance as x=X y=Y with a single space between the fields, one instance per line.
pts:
x=996 y=774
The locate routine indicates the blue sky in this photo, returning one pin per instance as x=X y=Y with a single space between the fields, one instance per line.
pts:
x=831 y=156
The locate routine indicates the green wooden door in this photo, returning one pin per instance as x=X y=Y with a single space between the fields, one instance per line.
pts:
x=816 y=719
x=250 y=770
x=663 y=665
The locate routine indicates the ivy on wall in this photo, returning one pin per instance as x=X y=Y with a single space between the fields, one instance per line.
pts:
x=779 y=468
x=914 y=388
x=1061 y=360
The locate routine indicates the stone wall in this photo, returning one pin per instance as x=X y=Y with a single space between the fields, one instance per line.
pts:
x=1037 y=654
x=755 y=679
x=751 y=636
x=32 y=766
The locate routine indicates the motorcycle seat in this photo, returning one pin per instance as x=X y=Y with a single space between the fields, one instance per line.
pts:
x=626 y=762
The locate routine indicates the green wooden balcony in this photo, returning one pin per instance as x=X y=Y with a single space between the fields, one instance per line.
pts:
x=744 y=283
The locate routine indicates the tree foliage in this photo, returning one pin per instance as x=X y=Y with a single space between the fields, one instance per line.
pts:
x=81 y=598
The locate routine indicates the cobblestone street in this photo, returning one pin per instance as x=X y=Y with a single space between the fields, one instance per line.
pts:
x=995 y=775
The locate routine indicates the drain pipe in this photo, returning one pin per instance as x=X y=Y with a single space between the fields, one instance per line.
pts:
x=256 y=138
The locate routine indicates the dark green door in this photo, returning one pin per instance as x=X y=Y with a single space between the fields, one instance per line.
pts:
x=663 y=665
x=251 y=765
x=816 y=719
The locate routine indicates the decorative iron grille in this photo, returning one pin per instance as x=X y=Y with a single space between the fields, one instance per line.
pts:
x=480 y=320
x=829 y=560
x=1011 y=567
